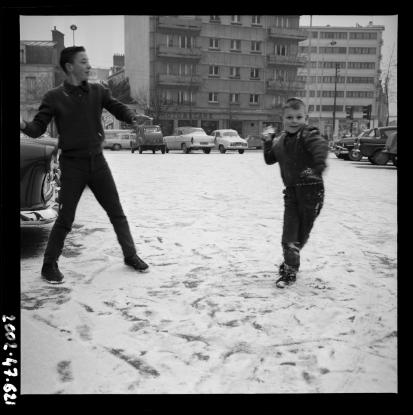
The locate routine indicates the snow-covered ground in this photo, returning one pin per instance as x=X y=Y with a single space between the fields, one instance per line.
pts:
x=208 y=317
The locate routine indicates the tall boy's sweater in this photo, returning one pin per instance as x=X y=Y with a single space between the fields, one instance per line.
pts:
x=77 y=111
x=301 y=156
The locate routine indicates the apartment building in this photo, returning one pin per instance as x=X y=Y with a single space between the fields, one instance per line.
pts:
x=213 y=71
x=345 y=60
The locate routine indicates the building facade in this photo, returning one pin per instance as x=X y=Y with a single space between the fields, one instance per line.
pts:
x=343 y=65
x=39 y=72
x=213 y=71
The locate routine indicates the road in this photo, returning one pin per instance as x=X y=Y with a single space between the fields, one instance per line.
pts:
x=208 y=317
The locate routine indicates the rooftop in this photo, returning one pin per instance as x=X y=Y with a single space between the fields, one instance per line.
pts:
x=49 y=43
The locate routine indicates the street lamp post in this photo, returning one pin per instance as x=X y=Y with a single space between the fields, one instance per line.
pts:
x=332 y=43
x=73 y=28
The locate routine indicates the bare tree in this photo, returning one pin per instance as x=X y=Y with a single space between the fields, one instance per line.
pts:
x=121 y=91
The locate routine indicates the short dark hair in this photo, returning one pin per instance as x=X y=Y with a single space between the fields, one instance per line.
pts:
x=293 y=103
x=67 y=55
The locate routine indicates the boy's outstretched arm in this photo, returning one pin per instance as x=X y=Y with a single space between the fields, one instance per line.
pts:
x=269 y=156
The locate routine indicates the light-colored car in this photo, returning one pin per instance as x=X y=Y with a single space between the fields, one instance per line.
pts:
x=187 y=139
x=118 y=139
x=229 y=140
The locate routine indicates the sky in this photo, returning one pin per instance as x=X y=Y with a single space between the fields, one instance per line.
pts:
x=103 y=36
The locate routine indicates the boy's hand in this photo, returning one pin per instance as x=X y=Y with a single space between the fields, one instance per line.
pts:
x=22 y=123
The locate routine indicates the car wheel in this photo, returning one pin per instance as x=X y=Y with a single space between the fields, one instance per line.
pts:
x=394 y=160
x=379 y=158
x=163 y=150
x=241 y=151
x=167 y=149
x=185 y=149
x=132 y=150
x=140 y=150
x=116 y=147
x=355 y=155
x=222 y=149
x=207 y=150
x=153 y=151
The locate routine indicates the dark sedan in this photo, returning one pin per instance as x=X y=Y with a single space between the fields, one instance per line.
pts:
x=39 y=180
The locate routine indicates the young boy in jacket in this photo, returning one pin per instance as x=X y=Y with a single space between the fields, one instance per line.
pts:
x=76 y=106
x=301 y=153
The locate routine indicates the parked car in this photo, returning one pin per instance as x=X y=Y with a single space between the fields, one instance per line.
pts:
x=343 y=146
x=187 y=139
x=371 y=143
x=148 y=137
x=118 y=139
x=39 y=180
x=229 y=140
x=254 y=141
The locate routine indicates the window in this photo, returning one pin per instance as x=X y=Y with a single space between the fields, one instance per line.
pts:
x=167 y=97
x=304 y=49
x=280 y=50
x=234 y=72
x=234 y=98
x=213 y=43
x=186 y=42
x=314 y=35
x=236 y=45
x=360 y=94
x=186 y=69
x=30 y=84
x=214 y=19
x=361 y=65
x=256 y=20
x=360 y=80
x=255 y=46
x=22 y=55
x=255 y=73
x=169 y=41
x=213 y=70
x=236 y=19
x=281 y=21
x=333 y=35
x=184 y=97
x=327 y=64
x=213 y=97
x=254 y=99
x=365 y=35
x=330 y=49
x=362 y=51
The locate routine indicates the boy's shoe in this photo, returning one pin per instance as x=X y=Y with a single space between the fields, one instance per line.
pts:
x=51 y=273
x=288 y=275
x=137 y=263
x=285 y=280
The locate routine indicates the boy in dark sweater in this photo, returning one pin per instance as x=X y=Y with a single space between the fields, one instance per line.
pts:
x=76 y=106
x=301 y=153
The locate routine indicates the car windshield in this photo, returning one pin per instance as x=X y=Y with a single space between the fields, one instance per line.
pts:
x=152 y=129
x=193 y=130
x=389 y=132
x=230 y=134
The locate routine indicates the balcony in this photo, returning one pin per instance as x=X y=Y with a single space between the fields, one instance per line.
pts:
x=296 y=34
x=286 y=60
x=174 y=52
x=179 y=80
x=179 y=23
x=284 y=86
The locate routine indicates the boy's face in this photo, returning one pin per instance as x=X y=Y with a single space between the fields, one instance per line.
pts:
x=294 y=119
x=80 y=67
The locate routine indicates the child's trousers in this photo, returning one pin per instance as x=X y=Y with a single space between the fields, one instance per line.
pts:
x=302 y=204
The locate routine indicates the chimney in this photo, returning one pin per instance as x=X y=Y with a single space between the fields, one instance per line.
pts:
x=58 y=37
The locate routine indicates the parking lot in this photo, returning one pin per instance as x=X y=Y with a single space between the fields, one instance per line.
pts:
x=208 y=317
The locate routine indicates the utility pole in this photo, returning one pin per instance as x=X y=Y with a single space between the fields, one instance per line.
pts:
x=307 y=93
x=386 y=84
x=332 y=43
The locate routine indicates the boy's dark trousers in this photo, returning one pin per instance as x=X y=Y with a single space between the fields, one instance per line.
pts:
x=94 y=172
x=302 y=204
